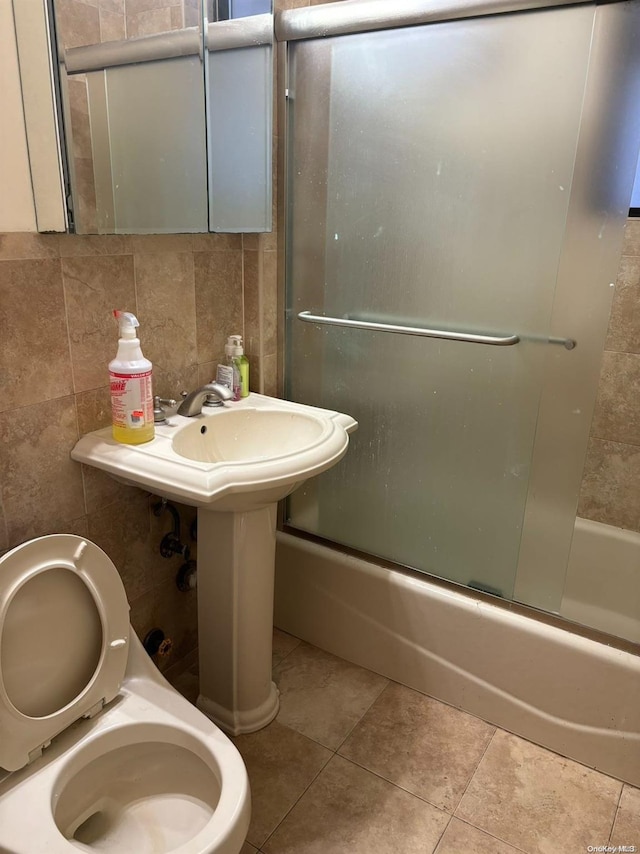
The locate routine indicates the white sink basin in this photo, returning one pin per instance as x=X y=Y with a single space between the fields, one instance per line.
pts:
x=234 y=458
x=248 y=436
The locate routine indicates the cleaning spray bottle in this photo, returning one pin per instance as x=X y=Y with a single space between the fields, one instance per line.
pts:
x=234 y=352
x=131 y=392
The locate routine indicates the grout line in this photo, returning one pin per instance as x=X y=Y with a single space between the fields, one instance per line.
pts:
x=397 y=786
x=475 y=770
x=444 y=830
x=368 y=709
x=491 y=835
x=302 y=794
x=615 y=815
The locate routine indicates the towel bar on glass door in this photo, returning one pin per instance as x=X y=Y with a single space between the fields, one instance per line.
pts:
x=496 y=341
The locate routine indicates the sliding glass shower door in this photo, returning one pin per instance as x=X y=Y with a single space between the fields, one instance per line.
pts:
x=429 y=177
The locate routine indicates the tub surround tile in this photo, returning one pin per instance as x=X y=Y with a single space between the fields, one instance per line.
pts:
x=609 y=490
x=282 y=5
x=252 y=270
x=112 y=25
x=177 y=615
x=166 y=300
x=283 y=644
x=626 y=828
x=219 y=305
x=4 y=539
x=41 y=485
x=281 y=764
x=461 y=838
x=631 y=243
x=79 y=527
x=270 y=375
x=101 y=490
x=617 y=413
x=270 y=303
x=73 y=245
x=122 y=530
x=166 y=569
x=191 y=13
x=251 y=241
x=19 y=245
x=322 y=696
x=624 y=324
x=79 y=110
x=348 y=810
x=170 y=383
x=141 y=614
x=148 y=23
x=214 y=242
x=534 y=799
x=87 y=220
x=420 y=744
x=34 y=359
x=78 y=23
x=93 y=408
x=94 y=286
x=156 y=244
x=187 y=684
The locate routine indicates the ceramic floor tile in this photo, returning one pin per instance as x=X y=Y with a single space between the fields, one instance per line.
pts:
x=461 y=838
x=322 y=696
x=248 y=849
x=418 y=743
x=537 y=800
x=348 y=810
x=283 y=644
x=626 y=829
x=281 y=763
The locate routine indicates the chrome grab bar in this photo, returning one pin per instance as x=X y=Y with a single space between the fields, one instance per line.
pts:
x=496 y=341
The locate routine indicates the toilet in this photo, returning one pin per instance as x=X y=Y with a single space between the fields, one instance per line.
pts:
x=97 y=751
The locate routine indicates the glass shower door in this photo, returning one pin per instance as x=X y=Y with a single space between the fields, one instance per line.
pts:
x=429 y=172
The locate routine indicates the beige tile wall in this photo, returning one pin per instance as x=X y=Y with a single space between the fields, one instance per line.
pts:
x=57 y=334
x=611 y=484
x=84 y=22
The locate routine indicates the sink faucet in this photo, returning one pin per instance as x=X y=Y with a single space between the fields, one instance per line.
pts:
x=192 y=404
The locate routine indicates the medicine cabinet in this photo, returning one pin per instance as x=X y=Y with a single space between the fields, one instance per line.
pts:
x=165 y=112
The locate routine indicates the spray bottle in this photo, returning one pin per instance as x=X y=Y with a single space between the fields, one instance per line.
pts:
x=131 y=392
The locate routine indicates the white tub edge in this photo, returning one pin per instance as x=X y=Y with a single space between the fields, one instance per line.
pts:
x=566 y=692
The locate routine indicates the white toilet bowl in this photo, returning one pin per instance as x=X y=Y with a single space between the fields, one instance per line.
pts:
x=97 y=751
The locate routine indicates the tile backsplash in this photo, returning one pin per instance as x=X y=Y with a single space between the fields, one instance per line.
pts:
x=57 y=294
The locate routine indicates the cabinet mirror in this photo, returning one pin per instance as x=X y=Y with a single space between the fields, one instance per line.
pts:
x=167 y=114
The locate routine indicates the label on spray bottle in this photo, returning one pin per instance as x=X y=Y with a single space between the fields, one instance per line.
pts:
x=131 y=399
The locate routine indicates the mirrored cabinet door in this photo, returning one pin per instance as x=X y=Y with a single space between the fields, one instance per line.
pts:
x=166 y=112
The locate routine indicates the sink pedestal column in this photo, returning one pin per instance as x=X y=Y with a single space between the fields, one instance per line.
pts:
x=236 y=565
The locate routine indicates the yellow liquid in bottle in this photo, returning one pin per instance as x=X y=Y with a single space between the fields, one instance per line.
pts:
x=134 y=435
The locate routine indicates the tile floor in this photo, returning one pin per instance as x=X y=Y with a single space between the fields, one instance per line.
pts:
x=357 y=764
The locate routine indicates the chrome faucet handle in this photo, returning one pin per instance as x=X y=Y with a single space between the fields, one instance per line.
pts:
x=193 y=402
x=159 y=414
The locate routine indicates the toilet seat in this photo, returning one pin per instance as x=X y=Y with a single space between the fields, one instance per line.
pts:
x=64 y=641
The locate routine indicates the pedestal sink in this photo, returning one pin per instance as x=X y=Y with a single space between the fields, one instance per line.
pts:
x=234 y=463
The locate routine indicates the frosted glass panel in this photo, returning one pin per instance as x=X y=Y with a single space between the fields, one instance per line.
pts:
x=430 y=172
x=154 y=161
x=239 y=98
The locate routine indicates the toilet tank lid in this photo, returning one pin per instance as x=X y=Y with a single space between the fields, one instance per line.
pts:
x=64 y=640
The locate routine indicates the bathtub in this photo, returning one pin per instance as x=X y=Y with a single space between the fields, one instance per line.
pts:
x=572 y=694
x=602 y=587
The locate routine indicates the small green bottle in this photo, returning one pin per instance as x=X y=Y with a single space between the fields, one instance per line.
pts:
x=240 y=363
